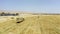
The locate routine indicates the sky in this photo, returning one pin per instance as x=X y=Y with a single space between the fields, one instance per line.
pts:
x=39 y=6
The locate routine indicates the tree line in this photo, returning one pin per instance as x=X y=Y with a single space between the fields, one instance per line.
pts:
x=9 y=14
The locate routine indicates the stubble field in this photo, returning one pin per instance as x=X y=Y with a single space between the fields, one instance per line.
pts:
x=32 y=24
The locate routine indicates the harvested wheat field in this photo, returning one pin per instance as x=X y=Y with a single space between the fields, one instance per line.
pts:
x=30 y=24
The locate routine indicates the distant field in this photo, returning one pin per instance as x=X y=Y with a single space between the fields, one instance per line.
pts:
x=32 y=24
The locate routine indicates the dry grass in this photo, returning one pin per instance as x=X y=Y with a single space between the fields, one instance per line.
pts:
x=33 y=24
